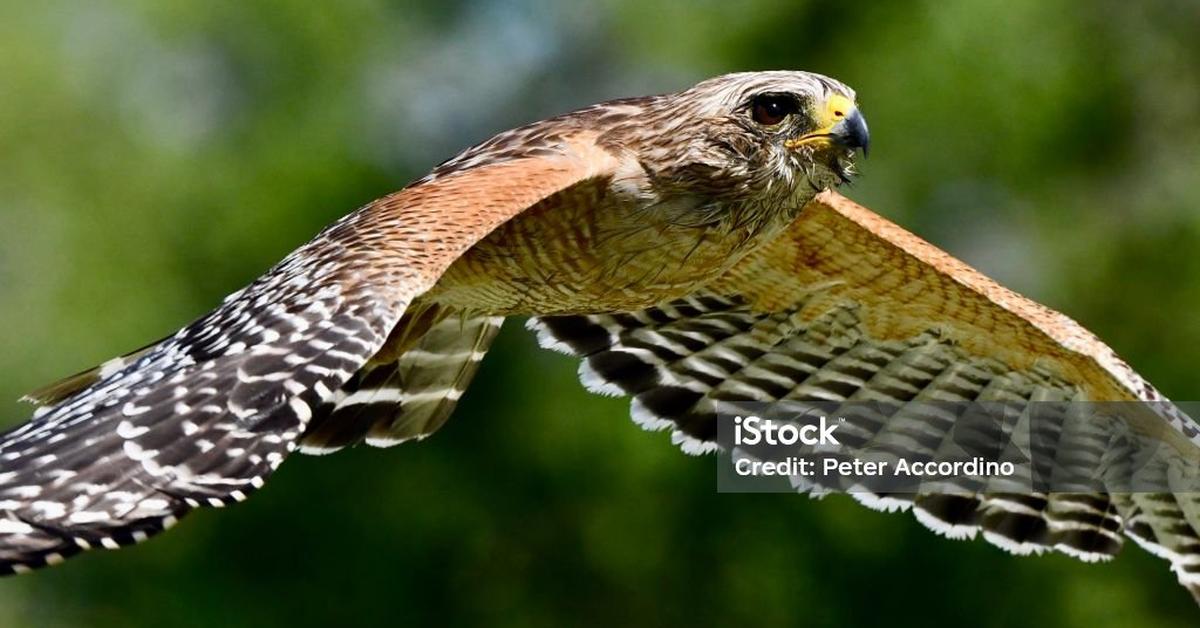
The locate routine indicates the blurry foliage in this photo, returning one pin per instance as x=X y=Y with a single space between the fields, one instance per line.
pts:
x=158 y=155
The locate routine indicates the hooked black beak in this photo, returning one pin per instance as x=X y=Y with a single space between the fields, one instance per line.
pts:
x=852 y=132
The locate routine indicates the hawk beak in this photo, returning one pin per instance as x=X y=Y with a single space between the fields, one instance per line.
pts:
x=842 y=124
x=852 y=132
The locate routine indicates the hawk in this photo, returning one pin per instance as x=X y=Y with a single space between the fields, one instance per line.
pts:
x=686 y=247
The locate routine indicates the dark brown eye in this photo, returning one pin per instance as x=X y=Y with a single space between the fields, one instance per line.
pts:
x=771 y=109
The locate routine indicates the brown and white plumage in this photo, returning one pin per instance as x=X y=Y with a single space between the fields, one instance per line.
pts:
x=203 y=417
x=677 y=243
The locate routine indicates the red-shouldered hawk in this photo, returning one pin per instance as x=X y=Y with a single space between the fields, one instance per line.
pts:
x=683 y=245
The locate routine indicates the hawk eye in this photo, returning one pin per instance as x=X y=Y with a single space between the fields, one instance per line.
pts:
x=771 y=109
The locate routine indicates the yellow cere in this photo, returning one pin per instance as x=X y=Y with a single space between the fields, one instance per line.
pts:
x=836 y=108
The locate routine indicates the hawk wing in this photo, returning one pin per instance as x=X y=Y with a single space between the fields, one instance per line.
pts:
x=203 y=417
x=846 y=306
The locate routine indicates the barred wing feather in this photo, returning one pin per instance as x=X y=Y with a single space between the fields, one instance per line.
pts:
x=846 y=306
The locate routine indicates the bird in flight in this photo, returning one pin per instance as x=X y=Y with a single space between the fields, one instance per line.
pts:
x=687 y=247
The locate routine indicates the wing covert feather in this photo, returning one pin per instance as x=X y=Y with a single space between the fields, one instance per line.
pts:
x=838 y=251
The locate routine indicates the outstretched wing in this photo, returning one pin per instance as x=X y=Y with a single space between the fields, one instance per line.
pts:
x=846 y=306
x=202 y=418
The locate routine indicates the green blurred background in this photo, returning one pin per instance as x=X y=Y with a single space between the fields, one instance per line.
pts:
x=155 y=156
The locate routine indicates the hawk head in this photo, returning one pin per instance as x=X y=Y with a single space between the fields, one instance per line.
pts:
x=750 y=136
x=753 y=131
